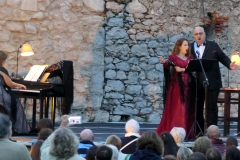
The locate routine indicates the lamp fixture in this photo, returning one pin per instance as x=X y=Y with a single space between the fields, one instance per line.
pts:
x=26 y=50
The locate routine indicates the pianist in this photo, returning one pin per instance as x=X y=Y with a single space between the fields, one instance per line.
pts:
x=11 y=104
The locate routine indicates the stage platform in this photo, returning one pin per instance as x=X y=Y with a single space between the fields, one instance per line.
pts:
x=103 y=130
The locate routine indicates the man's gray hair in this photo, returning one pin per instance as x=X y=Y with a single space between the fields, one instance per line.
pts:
x=5 y=125
x=64 y=143
x=132 y=126
x=178 y=134
x=183 y=153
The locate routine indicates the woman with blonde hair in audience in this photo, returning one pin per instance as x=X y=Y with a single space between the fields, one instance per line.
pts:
x=183 y=153
x=35 y=152
x=116 y=141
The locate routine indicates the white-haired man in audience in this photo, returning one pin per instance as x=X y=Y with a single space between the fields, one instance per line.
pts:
x=86 y=141
x=132 y=134
x=179 y=135
x=213 y=134
x=10 y=150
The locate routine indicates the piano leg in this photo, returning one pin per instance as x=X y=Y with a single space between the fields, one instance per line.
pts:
x=34 y=114
x=46 y=107
x=41 y=108
x=53 y=110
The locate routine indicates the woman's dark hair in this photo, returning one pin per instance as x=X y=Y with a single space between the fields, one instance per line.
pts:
x=178 y=44
x=35 y=150
x=3 y=57
x=91 y=153
x=231 y=141
x=44 y=134
x=151 y=141
x=232 y=153
x=170 y=146
x=213 y=154
x=44 y=123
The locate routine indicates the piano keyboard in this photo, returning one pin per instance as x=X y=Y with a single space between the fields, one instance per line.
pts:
x=25 y=90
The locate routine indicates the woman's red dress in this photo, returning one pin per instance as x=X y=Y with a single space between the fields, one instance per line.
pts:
x=176 y=113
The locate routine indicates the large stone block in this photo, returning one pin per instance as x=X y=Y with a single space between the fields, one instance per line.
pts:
x=139 y=50
x=116 y=33
x=115 y=7
x=136 y=7
x=134 y=89
x=28 y=5
x=115 y=22
x=94 y=5
x=114 y=85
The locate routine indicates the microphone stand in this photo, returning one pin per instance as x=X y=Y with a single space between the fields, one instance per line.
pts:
x=205 y=83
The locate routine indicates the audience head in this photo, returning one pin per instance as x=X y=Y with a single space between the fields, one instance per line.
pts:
x=44 y=133
x=170 y=146
x=44 y=123
x=232 y=153
x=132 y=126
x=213 y=132
x=151 y=141
x=91 y=153
x=213 y=154
x=231 y=141
x=64 y=143
x=202 y=144
x=104 y=153
x=178 y=134
x=114 y=151
x=114 y=140
x=35 y=152
x=5 y=126
x=169 y=157
x=3 y=57
x=197 y=156
x=183 y=153
x=86 y=135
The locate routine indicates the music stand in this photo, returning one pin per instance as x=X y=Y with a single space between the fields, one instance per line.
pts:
x=200 y=65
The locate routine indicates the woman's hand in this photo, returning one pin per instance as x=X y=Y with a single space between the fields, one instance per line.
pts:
x=162 y=60
x=179 y=69
x=20 y=86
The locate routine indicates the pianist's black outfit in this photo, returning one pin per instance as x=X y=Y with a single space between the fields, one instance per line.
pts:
x=12 y=106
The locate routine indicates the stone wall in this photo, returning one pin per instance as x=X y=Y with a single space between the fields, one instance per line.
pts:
x=115 y=45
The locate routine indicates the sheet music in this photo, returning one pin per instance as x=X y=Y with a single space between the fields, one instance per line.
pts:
x=35 y=72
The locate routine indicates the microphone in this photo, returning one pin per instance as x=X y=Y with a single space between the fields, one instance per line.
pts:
x=197 y=54
x=170 y=63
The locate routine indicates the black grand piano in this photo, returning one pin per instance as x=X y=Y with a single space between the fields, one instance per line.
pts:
x=44 y=91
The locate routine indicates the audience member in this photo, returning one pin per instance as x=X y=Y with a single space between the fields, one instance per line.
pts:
x=61 y=144
x=132 y=134
x=197 y=156
x=114 y=151
x=35 y=150
x=231 y=141
x=104 y=153
x=213 y=154
x=213 y=134
x=232 y=153
x=44 y=134
x=170 y=146
x=91 y=153
x=169 y=157
x=86 y=141
x=116 y=141
x=10 y=150
x=178 y=134
x=183 y=153
x=149 y=146
x=202 y=144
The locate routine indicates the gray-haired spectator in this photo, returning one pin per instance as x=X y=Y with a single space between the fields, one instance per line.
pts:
x=114 y=151
x=213 y=154
x=178 y=134
x=213 y=134
x=183 y=153
x=132 y=134
x=86 y=141
x=61 y=144
x=10 y=150
x=202 y=144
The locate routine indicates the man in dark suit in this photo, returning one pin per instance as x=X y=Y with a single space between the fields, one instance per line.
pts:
x=205 y=49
